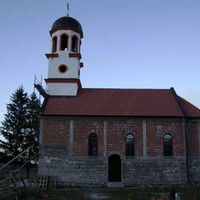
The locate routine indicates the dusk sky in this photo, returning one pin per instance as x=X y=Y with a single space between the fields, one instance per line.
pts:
x=126 y=44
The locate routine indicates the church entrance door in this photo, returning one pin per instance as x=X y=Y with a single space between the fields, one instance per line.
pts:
x=114 y=168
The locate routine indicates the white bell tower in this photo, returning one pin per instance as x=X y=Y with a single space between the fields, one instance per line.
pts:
x=64 y=60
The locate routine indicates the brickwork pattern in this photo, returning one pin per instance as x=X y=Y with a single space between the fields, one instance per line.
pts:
x=155 y=131
x=82 y=129
x=117 y=131
x=55 y=131
x=193 y=139
x=72 y=166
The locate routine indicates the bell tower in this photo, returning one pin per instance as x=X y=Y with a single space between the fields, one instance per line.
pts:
x=64 y=59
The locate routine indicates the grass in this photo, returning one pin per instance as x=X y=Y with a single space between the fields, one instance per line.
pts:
x=106 y=193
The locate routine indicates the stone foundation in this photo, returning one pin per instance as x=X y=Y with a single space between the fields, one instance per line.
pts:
x=155 y=171
x=194 y=170
x=93 y=171
x=72 y=171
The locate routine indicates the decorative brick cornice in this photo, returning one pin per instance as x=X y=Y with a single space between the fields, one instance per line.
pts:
x=62 y=80
x=75 y=55
x=51 y=55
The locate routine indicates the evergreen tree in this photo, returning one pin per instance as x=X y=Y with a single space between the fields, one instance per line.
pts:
x=20 y=127
x=15 y=124
x=32 y=134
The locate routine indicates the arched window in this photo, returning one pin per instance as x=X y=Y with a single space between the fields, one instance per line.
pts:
x=63 y=42
x=54 y=44
x=92 y=144
x=130 y=151
x=74 y=44
x=167 y=145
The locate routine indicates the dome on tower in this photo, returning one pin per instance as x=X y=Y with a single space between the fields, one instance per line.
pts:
x=67 y=23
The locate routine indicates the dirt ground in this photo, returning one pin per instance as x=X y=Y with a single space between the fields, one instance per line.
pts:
x=108 y=193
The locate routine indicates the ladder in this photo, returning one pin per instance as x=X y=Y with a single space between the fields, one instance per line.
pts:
x=10 y=186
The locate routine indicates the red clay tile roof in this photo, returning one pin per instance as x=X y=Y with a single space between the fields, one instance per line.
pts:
x=188 y=109
x=120 y=102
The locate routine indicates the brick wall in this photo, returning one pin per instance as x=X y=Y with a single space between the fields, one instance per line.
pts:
x=116 y=136
x=193 y=138
x=82 y=129
x=55 y=131
x=71 y=164
x=193 y=135
x=156 y=128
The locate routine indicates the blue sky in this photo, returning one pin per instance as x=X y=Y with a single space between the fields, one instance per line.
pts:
x=126 y=44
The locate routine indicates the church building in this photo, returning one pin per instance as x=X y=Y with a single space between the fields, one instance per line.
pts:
x=112 y=137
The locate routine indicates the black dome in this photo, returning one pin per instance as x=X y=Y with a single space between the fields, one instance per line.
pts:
x=67 y=23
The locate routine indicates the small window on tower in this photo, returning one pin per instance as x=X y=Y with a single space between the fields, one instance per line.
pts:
x=74 y=44
x=62 y=68
x=54 y=44
x=63 y=42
